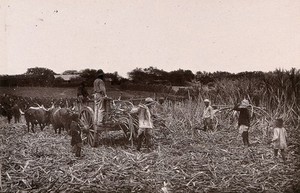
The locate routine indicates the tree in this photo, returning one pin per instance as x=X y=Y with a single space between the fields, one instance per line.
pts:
x=188 y=75
x=153 y=75
x=70 y=72
x=156 y=75
x=180 y=77
x=89 y=76
x=137 y=75
x=58 y=81
x=39 y=71
x=204 y=77
x=115 y=78
x=40 y=76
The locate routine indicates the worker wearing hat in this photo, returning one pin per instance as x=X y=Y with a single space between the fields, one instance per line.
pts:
x=207 y=115
x=100 y=93
x=243 y=120
x=161 y=100
x=149 y=101
x=145 y=122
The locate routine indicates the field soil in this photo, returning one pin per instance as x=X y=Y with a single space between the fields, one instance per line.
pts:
x=182 y=159
x=207 y=162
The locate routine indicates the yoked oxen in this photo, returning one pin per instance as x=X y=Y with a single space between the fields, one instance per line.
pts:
x=37 y=115
x=62 y=118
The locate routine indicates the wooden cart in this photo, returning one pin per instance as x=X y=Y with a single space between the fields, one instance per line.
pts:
x=116 y=117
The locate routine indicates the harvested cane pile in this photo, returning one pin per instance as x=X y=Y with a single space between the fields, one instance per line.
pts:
x=208 y=162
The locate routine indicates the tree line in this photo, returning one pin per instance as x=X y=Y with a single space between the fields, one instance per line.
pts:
x=157 y=80
x=46 y=77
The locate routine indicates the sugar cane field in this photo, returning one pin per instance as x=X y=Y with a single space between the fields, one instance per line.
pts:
x=184 y=158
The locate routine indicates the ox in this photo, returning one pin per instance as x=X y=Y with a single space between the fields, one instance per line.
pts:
x=61 y=118
x=37 y=115
x=6 y=112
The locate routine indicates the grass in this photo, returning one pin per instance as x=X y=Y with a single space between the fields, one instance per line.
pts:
x=57 y=93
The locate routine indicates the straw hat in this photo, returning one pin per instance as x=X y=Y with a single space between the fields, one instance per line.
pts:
x=149 y=100
x=100 y=72
x=244 y=104
x=206 y=101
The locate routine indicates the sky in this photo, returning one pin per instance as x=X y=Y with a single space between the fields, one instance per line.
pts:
x=121 y=35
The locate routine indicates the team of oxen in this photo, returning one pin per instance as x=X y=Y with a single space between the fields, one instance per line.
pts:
x=59 y=114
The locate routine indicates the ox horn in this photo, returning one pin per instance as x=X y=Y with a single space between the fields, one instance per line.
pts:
x=22 y=113
x=52 y=107
x=37 y=104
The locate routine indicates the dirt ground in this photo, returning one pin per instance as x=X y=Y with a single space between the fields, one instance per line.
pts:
x=207 y=162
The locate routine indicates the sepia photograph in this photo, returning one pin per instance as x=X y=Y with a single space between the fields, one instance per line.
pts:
x=150 y=96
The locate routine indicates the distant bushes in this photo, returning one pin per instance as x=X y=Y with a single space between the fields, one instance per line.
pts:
x=26 y=80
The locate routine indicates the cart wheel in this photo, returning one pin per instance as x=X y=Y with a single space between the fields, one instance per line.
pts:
x=89 y=133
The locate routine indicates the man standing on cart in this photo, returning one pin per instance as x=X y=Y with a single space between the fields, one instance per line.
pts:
x=100 y=94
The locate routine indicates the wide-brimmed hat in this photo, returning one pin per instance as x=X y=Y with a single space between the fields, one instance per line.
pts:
x=149 y=101
x=206 y=101
x=244 y=104
x=100 y=72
